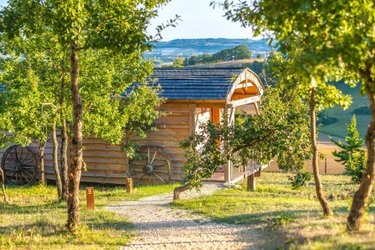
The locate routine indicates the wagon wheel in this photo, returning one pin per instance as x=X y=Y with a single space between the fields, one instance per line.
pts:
x=19 y=165
x=153 y=167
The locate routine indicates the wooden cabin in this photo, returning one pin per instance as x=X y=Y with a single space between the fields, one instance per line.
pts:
x=193 y=96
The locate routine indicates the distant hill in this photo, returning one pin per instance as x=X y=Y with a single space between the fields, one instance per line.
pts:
x=165 y=52
x=336 y=119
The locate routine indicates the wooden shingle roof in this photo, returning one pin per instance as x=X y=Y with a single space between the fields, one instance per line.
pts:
x=195 y=83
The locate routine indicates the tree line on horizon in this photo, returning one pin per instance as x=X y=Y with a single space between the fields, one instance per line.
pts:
x=236 y=53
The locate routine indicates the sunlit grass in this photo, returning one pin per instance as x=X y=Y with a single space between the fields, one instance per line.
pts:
x=33 y=219
x=289 y=218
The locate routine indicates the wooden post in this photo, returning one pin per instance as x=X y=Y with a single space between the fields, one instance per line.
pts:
x=228 y=121
x=251 y=183
x=192 y=118
x=129 y=185
x=257 y=173
x=90 y=198
x=325 y=165
x=227 y=171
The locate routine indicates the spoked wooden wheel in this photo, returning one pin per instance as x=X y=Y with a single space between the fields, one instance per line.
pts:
x=19 y=166
x=154 y=167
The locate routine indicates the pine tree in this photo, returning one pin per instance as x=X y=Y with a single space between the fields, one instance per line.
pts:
x=352 y=156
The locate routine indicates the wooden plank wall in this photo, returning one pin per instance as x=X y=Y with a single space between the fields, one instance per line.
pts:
x=173 y=128
x=106 y=163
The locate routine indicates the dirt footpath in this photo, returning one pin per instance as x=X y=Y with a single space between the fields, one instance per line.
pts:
x=161 y=227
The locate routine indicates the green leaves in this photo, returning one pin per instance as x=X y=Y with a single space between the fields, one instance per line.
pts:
x=334 y=38
x=281 y=130
x=300 y=179
x=111 y=38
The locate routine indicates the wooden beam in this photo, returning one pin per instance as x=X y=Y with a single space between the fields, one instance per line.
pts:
x=215 y=115
x=227 y=171
x=216 y=119
x=214 y=102
x=246 y=90
x=257 y=108
x=240 y=96
x=192 y=121
x=210 y=105
x=228 y=112
x=246 y=79
x=244 y=101
x=251 y=183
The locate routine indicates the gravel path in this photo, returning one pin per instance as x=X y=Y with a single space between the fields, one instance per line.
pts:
x=160 y=227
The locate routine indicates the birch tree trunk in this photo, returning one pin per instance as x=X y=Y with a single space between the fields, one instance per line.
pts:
x=64 y=158
x=3 y=185
x=64 y=138
x=56 y=161
x=76 y=159
x=318 y=184
x=42 y=146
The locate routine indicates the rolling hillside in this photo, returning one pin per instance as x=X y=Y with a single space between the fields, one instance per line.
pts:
x=340 y=118
x=164 y=52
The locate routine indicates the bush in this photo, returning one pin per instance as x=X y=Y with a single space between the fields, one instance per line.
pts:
x=300 y=179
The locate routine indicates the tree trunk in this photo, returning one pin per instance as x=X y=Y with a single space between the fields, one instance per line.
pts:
x=362 y=195
x=3 y=185
x=64 y=138
x=42 y=146
x=178 y=190
x=56 y=162
x=318 y=184
x=76 y=159
x=64 y=158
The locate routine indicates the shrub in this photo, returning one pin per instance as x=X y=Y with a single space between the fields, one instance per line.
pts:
x=300 y=179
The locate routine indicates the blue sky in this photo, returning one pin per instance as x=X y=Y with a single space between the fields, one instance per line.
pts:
x=198 y=20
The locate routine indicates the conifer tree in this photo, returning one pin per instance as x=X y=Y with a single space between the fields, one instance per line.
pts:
x=351 y=155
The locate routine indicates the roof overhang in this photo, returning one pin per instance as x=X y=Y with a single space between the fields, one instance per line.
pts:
x=246 y=85
x=244 y=101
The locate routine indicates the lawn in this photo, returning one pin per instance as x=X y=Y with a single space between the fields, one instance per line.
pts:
x=289 y=218
x=34 y=220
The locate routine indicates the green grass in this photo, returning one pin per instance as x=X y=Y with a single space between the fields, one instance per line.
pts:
x=34 y=220
x=288 y=218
